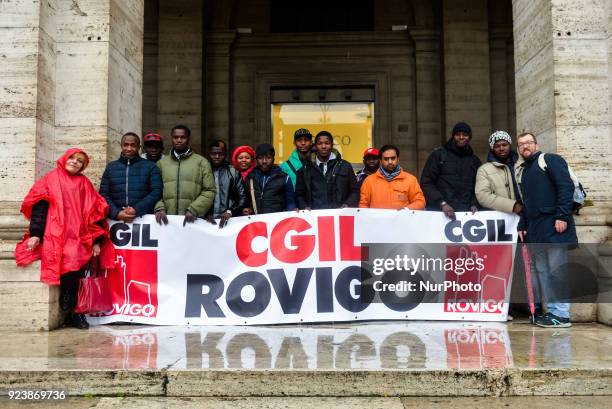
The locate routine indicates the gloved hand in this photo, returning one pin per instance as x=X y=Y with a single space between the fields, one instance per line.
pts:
x=224 y=218
x=161 y=217
x=189 y=218
x=449 y=212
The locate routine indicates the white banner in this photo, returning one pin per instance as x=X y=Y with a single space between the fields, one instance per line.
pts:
x=307 y=267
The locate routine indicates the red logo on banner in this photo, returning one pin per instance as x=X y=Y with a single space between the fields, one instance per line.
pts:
x=477 y=348
x=493 y=279
x=134 y=283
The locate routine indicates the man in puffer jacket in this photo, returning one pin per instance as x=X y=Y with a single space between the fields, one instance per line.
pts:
x=449 y=175
x=131 y=185
x=496 y=186
x=189 y=185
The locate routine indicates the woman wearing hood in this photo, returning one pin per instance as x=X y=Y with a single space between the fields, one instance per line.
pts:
x=67 y=227
x=496 y=187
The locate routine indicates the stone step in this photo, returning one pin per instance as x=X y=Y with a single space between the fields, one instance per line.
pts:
x=349 y=360
x=258 y=383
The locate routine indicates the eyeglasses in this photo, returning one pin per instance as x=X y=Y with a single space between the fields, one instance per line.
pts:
x=520 y=145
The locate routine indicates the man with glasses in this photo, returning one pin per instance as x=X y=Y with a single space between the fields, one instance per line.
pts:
x=547 y=222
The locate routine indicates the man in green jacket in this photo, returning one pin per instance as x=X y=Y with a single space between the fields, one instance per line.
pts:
x=189 y=185
x=302 y=139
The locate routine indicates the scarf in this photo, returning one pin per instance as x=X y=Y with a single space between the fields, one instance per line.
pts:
x=390 y=176
x=238 y=151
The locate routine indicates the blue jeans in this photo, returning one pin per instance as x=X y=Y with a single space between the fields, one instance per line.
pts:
x=551 y=272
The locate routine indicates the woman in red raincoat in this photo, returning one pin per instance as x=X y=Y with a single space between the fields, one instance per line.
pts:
x=67 y=227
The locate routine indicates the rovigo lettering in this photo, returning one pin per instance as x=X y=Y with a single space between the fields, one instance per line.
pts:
x=134 y=309
x=487 y=306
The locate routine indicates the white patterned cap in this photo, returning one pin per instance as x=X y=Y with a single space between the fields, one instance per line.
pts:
x=499 y=136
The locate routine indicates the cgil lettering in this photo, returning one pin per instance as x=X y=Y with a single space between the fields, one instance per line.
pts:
x=135 y=234
x=302 y=243
x=476 y=231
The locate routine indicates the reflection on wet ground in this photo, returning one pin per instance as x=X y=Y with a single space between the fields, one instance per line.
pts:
x=374 y=346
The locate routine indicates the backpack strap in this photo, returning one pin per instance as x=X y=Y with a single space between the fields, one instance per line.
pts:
x=253 y=195
x=443 y=154
x=542 y=162
x=291 y=166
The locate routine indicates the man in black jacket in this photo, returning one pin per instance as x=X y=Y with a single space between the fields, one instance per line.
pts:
x=131 y=185
x=269 y=189
x=230 y=197
x=327 y=183
x=547 y=190
x=449 y=176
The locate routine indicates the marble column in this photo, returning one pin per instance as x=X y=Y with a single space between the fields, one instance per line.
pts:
x=179 y=86
x=466 y=69
x=563 y=83
x=428 y=93
x=71 y=76
x=498 y=42
x=218 y=85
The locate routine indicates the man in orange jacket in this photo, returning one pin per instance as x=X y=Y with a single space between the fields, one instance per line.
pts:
x=391 y=187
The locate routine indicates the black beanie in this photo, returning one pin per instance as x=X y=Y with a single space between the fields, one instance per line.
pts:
x=461 y=127
x=264 y=149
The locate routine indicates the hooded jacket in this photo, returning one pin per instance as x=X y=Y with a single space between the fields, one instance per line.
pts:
x=402 y=191
x=495 y=185
x=450 y=175
x=292 y=166
x=273 y=191
x=188 y=184
x=76 y=218
x=132 y=182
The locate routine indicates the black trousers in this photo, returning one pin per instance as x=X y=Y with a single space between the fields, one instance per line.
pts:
x=69 y=290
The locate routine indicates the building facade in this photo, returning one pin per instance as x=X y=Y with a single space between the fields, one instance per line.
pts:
x=83 y=72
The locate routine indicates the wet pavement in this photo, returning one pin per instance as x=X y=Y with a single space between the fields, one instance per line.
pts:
x=356 y=361
x=371 y=346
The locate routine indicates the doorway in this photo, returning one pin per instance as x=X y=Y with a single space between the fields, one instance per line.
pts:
x=350 y=123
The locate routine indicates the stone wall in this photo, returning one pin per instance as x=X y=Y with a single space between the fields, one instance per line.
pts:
x=71 y=76
x=467 y=86
x=562 y=65
x=179 y=68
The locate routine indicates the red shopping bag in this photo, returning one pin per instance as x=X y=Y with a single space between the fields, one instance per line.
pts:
x=94 y=290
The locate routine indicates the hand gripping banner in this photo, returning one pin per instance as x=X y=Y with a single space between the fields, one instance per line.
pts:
x=313 y=266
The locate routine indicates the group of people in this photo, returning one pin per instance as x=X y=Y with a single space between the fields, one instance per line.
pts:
x=67 y=216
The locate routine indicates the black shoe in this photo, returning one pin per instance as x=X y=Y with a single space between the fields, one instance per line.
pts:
x=79 y=321
x=550 y=320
